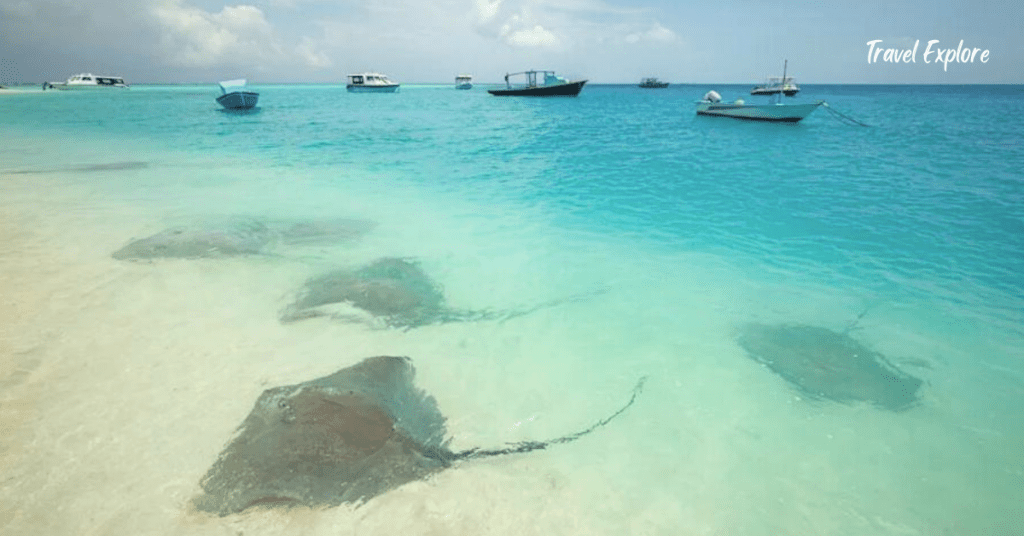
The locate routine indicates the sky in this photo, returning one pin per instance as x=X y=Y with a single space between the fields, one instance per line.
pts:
x=418 y=41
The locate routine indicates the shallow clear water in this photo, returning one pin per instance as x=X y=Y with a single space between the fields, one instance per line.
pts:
x=120 y=382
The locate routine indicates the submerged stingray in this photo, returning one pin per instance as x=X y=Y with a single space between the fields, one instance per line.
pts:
x=395 y=291
x=243 y=236
x=343 y=438
x=824 y=364
x=109 y=166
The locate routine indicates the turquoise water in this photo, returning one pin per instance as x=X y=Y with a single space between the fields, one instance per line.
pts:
x=126 y=379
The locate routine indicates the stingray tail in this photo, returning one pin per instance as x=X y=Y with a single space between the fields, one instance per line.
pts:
x=527 y=446
x=502 y=316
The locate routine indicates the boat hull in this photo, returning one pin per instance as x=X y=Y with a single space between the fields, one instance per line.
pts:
x=464 y=86
x=785 y=113
x=239 y=100
x=392 y=88
x=570 y=89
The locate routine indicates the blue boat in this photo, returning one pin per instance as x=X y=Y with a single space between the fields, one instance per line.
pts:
x=235 y=97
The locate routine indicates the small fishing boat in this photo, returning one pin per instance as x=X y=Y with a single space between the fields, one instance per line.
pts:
x=550 y=86
x=88 y=81
x=370 y=83
x=464 y=81
x=712 y=105
x=653 y=83
x=778 y=84
x=234 y=96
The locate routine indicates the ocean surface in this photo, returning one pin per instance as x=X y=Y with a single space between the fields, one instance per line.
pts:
x=638 y=238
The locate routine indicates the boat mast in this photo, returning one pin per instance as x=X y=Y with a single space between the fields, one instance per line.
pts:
x=785 y=64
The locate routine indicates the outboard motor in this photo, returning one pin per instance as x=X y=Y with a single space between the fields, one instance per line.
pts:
x=712 y=96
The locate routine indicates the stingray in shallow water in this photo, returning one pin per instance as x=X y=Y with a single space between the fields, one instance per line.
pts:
x=393 y=290
x=241 y=236
x=824 y=364
x=343 y=438
x=86 y=168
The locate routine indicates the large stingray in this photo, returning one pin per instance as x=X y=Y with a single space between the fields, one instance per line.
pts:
x=824 y=364
x=342 y=438
x=392 y=290
x=240 y=236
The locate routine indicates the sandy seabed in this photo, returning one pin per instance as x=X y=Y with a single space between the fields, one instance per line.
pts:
x=121 y=382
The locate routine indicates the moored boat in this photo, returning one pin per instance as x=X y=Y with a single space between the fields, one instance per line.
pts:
x=778 y=84
x=774 y=111
x=464 y=81
x=234 y=95
x=88 y=81
x=653 y=83
x=370 y=83
x=550 y=85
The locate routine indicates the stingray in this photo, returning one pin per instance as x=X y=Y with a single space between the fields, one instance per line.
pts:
x=241 y=236
x=392 y=290
x=825 y=365
x=86 y=168
x=343 y=438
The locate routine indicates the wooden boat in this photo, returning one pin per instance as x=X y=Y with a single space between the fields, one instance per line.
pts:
x=234 y=96
x=653 y=83
x=550 y=86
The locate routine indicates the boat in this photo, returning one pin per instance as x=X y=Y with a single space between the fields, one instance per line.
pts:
x=235 y=97
x=778 y=84
x=464 y=81
x=370 y=83
x=550 y=86
x=773 y=111
x=89 y=81
x=653 y=83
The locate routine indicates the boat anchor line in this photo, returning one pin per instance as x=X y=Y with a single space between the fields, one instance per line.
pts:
x=841 y=116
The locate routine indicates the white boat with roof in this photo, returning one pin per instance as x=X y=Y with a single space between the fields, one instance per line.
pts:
x=464 y=81
x=370 y=83
x=778 y=84
x=89 y=81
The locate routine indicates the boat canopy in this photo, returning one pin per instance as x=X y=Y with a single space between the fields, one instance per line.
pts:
x=229 y=86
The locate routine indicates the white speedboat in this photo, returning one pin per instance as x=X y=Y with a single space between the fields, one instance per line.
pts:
x=370 y=83
x=89 y=81
x=464 y=81
x=773 y=111
x=235 y=96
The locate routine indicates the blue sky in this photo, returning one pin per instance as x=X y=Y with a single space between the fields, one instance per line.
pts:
x=606 y=41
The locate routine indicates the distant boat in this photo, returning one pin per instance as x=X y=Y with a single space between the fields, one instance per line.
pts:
x=370 y=83
x=778 y=84
x=774 y=111
x=88 y=81
x=653 y=83
x=550 y=86
x=464 y=81
x=235 y=97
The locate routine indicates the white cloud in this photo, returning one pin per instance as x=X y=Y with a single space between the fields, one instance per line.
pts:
x=561 y=23
x=237 y=35
x=655 y=34
x=533 y=37
x=315 y=58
